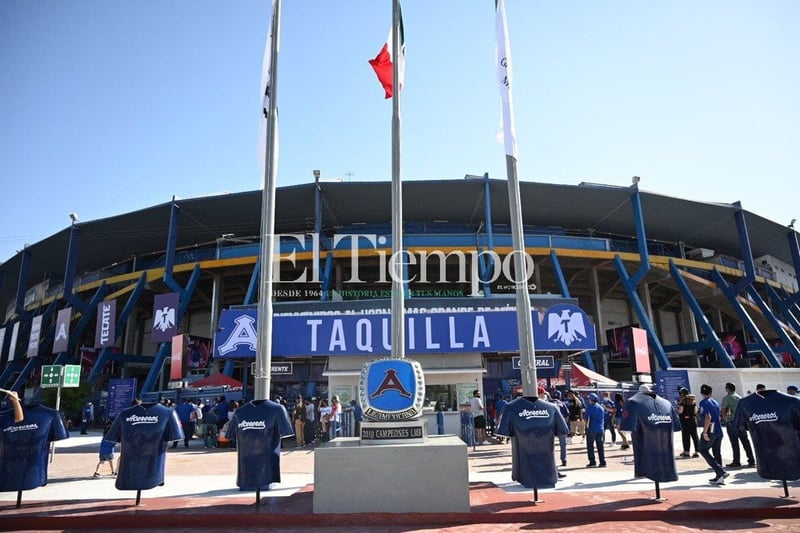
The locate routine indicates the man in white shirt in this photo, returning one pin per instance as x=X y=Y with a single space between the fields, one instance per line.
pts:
x=479 y=417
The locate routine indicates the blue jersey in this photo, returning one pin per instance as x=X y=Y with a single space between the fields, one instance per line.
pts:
x=532 y=425
x=710 y=406
x=144 y=431
x=652 y=420
x=773 y=420
x=258 y=427
x=595 y=418
x=24 y=446
x=184 y=411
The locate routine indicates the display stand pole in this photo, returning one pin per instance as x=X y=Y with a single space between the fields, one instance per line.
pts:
x=58 y=406
x=138 y=496
x=19 y=498
x=258 y=496
x=658 y=497
x=536 y=499
x=785 y=490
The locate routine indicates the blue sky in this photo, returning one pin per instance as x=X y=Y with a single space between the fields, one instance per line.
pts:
x=108 y=107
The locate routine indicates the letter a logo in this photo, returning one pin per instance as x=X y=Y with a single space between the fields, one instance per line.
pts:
x=243 y=333
x=390 y=382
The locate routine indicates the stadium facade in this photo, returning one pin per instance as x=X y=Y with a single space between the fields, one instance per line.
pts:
x=710 y=284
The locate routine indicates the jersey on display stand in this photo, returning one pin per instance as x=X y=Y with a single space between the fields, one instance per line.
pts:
x=773 y=420
x=143 y=431
x=532 y=425
x=24 y=446
x=258 y=428
x=652 y=420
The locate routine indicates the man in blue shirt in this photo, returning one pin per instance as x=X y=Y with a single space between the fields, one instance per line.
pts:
x=185 y=411
x=595 y=431
x=711 y=438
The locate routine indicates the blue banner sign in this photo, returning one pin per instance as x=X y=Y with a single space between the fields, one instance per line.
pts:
x=564 y=327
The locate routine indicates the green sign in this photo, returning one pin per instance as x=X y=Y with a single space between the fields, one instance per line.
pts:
x=72 y=375
x=51 y=376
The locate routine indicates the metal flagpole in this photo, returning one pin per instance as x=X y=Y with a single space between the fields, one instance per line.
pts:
x=527 y=350
x=397 y=274
x=264 y=349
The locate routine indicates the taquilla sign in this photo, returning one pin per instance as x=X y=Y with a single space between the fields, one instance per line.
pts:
x=560 y=327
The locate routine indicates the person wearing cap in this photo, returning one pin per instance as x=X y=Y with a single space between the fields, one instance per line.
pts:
x=299 y=417
x=791 y=390
x=711 y=438
x=687 y=412
x=595 y=431
x=729 y=403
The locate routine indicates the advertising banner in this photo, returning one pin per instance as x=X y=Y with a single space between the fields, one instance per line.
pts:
x=33 y=340
x=12 y=345
x=165 y=311
x=176 y=359
x=121 y=393
x=641 y=351
x=564 y=327
x=106 y=322
x=61 y=339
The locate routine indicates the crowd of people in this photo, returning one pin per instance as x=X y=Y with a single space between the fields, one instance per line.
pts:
x=589 y=417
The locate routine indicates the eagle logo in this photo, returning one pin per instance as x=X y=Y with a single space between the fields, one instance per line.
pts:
x=566 y=327
x=164 y=319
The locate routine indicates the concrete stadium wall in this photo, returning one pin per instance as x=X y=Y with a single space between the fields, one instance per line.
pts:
x=745 y=379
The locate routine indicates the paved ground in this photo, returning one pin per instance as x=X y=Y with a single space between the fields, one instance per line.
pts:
x=200 y=492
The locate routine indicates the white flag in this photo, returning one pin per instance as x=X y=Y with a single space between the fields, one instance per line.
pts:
x=266 y=75
x=504 y=78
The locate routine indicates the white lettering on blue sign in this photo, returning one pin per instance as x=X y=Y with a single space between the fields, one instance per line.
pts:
x=243 y=333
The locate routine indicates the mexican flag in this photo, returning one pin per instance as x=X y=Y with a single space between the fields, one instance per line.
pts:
x=383 y=62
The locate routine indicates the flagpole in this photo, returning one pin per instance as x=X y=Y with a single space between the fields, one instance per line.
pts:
x=527 y=350
x=264 y=349
x=398 y=272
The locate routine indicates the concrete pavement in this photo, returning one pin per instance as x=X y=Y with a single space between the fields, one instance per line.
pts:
x=200 y=491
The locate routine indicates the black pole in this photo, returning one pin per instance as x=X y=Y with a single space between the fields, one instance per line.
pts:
x=258 y=496
x=19 y=497
x=138 y=496
x=658 y=491
x=785 y=490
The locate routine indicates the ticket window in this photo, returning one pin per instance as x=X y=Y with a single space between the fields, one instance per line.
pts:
x=441 y=397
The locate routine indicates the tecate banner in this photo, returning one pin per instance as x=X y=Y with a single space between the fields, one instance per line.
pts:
x=564 y=327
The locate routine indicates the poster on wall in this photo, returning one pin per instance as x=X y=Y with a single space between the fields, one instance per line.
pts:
x=198 y=352
x=733 y=342
x=465 y=391
x=105 y=332
x=620 y=342
x=61 y=339
x=345 y=394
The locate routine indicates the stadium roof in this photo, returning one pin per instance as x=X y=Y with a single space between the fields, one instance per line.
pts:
x=602 y=208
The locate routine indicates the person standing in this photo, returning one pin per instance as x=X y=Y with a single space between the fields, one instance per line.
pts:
x=479 y=417
x=86 y=417
x=610 y=411
x=729 y=404
x=711 y=438
x=299 y=417
x=562 y=437
x=185 y=412
x=595 y=431
x=575 y=407
x=310 y=426
x=335 y=417
x=619 y=407
x=687 y=412
x=358 y=416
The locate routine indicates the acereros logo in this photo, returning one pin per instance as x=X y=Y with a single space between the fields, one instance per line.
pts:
x=758 y=418
x=246 y=425
x=527 y=414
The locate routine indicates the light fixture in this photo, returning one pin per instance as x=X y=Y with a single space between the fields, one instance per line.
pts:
x=73 y=217
x=791 y=224
x=316 y=174
x=635 y=180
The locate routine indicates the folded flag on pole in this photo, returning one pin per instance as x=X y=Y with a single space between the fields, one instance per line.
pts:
x=383 y=62
x=504 y=78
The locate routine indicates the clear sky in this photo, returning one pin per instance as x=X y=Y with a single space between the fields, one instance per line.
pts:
x=108 y=107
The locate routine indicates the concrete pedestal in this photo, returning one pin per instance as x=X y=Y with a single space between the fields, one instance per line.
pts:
x=429 y=477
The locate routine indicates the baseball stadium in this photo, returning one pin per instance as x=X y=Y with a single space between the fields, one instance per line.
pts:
x=712 y=285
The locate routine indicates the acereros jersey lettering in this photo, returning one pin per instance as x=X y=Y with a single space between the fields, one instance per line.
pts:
x=144 y=431
x=653 y=420
x=257 y=427
x=532 y=425
x=24 y=446
x=773 y=420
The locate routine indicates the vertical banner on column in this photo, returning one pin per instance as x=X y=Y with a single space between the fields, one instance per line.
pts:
x=2 y=342
x=12 y=345
x=61 y=339
x=33 y=340
x=165 y=309
x=641 y=351
x=176 y=359
x=106 y=318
